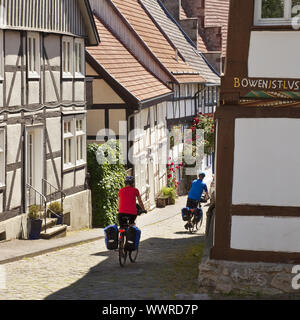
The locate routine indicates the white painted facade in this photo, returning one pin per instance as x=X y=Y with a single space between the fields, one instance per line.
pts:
x=265 y=233
x=266 y=172
x=274 y=54
x=150 y=151
x=267 y=162
x=36 y=98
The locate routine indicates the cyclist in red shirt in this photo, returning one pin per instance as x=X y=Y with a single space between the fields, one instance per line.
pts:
x=127 y=202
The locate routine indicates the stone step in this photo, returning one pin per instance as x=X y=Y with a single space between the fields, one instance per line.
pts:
x=50 y=222
x=59 y=231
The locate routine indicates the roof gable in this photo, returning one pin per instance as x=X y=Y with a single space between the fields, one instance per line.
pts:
x=71 y=17
x=180 y=40
x=151 y=34
x=115 y=59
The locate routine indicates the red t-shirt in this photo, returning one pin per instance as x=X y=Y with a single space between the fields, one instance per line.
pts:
x=127 y=197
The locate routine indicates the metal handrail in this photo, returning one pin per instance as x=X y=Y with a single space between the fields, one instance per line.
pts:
x=56 y=190
x=43 y=200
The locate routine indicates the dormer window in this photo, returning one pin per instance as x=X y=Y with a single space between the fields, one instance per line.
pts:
x=275 y=12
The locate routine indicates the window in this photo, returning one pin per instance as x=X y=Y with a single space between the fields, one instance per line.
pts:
x=74 y=141
x=67 y=57
x=275 y=12
x=79 y=58
x=68 y=143
x=33 y=55
x=1 y=56
x=2 y=157
x=80 y=140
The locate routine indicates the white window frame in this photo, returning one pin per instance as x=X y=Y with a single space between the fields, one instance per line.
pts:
x=286 y=20
x=70 y=54
x=68 y=136
x=79 y=58
x=33 y=56
x=1 y=56
x=2 y=157
x=72 y=136
x=80 y=134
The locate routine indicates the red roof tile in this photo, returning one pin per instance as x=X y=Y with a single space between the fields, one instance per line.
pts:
x=121 y=64
x=152 y=36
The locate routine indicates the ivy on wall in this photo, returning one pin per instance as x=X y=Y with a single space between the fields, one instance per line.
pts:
x=107 y=175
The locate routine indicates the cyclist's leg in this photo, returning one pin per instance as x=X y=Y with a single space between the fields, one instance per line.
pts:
x=122 y=220
x=132 y=219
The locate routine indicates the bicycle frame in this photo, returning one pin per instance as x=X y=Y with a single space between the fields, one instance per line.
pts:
x=122 y=251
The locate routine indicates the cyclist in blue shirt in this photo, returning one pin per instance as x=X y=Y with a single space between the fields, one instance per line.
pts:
x=195 y=194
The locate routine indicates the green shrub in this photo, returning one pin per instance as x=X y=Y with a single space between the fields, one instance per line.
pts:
x=105 y=181
x=34 y=212
x=55 y=207
x=169 y=192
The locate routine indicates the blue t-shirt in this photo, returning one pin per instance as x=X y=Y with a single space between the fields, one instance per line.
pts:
x=197 y=189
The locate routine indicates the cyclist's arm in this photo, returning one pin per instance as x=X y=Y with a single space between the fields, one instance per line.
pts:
x=206 y=193
x=140 y=201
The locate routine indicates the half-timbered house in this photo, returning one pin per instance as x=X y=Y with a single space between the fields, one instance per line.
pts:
x=258 y=124
x=142 y=35
x=126 y=96
x=43 y=108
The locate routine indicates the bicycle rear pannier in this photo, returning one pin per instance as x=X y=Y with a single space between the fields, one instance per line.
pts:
x=186 y=213
x=133 y=236
x=111 y=237
x=198 y=214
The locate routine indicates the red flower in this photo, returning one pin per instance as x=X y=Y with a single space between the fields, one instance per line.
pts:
x=172 y=164
x=169 y=176
x=177 y=167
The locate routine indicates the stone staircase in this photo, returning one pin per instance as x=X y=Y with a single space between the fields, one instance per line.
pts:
x=53 y=231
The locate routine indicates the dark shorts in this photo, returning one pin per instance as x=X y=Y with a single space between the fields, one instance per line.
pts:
x=192 y=204
x=122 y=221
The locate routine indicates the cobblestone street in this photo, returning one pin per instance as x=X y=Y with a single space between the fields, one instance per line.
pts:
x=166 y=268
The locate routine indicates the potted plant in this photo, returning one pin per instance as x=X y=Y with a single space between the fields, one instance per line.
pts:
x=35 y=222
x=56 y=211
x=170 y=193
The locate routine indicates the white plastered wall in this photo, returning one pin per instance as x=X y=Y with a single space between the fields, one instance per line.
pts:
x=267 y=162
x=265 y=233
x=274 y=54
x=266 y=172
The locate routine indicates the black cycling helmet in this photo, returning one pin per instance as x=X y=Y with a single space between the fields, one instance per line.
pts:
x=129 y=180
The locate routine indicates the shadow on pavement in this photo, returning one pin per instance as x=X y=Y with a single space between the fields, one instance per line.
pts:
x=164 y=268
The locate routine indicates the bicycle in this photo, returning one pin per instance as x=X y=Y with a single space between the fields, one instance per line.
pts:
x=122 y=240
x=193 y=222
x=122 y=250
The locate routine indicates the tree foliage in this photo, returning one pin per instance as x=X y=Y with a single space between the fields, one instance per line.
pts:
x=106 y=179
x=272 y=9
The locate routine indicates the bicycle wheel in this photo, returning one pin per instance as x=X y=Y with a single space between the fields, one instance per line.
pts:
x=133 y=255
x=191 y=226
x=122 y=252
